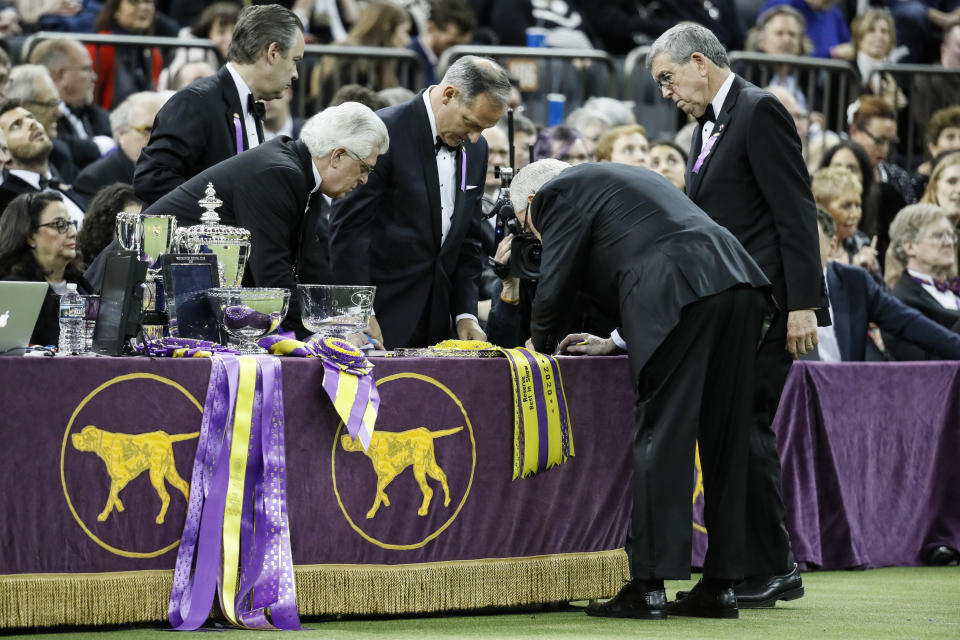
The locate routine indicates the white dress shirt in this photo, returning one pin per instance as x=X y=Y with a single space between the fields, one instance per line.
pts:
x=446 y=171
x=947 y=299
x=717 y=103
x=249 y=123
x=104 y=143
x=827 y=345
x=33 y=179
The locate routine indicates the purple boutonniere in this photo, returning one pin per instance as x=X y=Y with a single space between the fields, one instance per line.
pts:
x=463 y=170
x=707 y=147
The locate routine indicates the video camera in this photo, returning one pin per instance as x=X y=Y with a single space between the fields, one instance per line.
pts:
x=525 y=249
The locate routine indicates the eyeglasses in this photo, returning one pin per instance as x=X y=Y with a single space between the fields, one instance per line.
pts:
x=144 y=130
x=363 y=164
x=665 y=81
x=880 y=141
x=62 y=225
x=941 y=237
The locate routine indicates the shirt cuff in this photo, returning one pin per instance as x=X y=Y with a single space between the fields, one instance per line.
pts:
x=466 y=315
x=105 y=144
x=617 y=340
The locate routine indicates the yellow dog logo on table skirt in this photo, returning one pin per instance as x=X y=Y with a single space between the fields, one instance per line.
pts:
x=127 y=456
x=392 y=452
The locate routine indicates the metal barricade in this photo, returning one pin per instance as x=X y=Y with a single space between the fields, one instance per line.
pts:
x=352 y=65
x=575 y=73
x=926 y=88
x=658 y=115
x=827 y=86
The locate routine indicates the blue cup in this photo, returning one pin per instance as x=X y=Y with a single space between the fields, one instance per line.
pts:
x=536 y=37
x=555 y=104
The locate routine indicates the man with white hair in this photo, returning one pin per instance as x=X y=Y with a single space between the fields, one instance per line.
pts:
x=691 y=304
x=132 y=122
x=269 y=189
x=414 y=229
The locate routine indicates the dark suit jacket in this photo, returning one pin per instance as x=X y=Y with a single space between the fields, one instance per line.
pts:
x=858 y=300
x=193 y=131
x=265 y=191
x=115 y=167
x=911 y=293
x=387 y=233
x=755 y=184
x=14 y=185
x=638 y=245
x=96 y=123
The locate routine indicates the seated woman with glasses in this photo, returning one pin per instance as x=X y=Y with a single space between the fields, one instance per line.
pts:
x=924 y=239
x=38 y=242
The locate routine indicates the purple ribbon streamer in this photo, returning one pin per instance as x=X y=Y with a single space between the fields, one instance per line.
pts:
x=562 y=405
x=236 y=128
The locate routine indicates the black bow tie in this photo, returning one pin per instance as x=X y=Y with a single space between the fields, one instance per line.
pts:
x=50 y=183
x=255 y=108
x=440 y=144
x=708 y=116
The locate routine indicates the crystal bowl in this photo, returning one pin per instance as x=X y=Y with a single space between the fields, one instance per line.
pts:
x=249 y=313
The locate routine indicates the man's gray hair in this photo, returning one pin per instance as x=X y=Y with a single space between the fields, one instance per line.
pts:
x=531 y=178
x=351 y=125
x=260 y=25
x=54 y=53
x=908 y=224
x=618 y=112
x=23 y=80
x=474 y=75
x=122 y=116
x=682 y=40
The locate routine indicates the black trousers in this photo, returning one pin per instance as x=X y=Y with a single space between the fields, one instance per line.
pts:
x=766 y=530
x=697 y=386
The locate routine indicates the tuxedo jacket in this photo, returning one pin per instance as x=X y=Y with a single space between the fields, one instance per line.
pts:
x=858 y=300
x=193 y=131
x=96 y=122
x=641 y=248
x=387 y=232
x=754 y=182
x=911 y=293
x=14 y=185
x=114 y=167
x=266 y=191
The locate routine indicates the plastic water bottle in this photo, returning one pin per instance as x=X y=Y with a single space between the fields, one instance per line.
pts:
x=71 y=322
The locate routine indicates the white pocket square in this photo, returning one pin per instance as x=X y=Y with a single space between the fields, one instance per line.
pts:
x=471 y=186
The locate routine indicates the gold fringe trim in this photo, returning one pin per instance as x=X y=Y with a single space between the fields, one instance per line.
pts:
x=40 y=600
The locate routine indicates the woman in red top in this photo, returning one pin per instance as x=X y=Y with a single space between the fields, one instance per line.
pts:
x=123 y=70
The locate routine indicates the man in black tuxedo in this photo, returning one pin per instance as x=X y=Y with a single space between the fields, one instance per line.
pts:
x=856 y=300
x=268 y=190
x=132 y=122
x=414 y=229
x=746 y=171
x=30 y=169
x=83 y=126
x=218 y=117
x=691 y=304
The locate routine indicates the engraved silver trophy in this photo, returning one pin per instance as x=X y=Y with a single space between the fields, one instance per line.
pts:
x=231 y=245
x=150 y=236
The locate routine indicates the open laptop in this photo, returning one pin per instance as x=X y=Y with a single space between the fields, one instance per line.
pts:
x=20 y=304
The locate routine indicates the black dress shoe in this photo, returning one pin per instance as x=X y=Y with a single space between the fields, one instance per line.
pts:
x=706 y=602
x=632 y=602
x=763 y=592
x=941 y=556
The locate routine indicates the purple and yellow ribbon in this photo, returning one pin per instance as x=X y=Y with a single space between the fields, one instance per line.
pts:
x=542 y=435
x=236 y=533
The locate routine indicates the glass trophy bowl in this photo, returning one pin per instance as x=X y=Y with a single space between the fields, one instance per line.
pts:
x=249 y=313
x=335 y=310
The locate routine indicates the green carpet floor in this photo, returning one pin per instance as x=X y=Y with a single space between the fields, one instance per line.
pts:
x=896 y=603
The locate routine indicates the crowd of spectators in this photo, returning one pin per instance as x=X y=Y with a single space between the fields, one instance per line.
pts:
x=75 y=115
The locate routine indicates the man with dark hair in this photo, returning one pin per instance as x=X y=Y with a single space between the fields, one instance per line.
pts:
x=82 y=125
x=218 y=117
x=414 y=229
x=29 y=168
x=451 y=22
x=746 y=171
x=358 y=93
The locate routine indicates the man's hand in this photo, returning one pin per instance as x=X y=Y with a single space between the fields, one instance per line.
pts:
x=468 y=329
x=372 y=330
x=801 y=332
x=585 y=344
x=866 y=258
